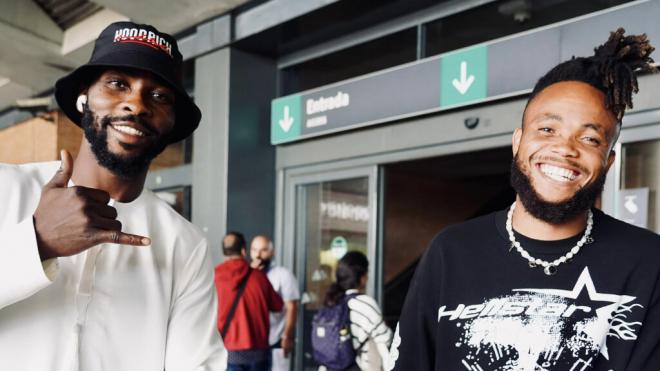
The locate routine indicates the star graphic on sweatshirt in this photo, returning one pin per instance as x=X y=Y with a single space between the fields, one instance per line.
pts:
x=609 y=318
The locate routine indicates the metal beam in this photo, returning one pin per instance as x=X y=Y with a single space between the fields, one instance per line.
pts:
x=209 y=193
x=31 y=18
x=209 y=36
x=171 y=16
x=13 y=116
x=32 y=44
x=273 y=13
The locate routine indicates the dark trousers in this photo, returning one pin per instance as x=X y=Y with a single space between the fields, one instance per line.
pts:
x=257 y=366
x=354 y=367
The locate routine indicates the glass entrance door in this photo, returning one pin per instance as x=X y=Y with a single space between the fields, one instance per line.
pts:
x=335 y=213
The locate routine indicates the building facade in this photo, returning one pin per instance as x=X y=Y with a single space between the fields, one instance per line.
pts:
x=371 y=127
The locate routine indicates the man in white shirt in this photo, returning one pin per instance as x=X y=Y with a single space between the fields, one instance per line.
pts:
x=282 y=324
x=98 y=273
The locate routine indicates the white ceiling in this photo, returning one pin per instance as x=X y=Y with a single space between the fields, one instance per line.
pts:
x=35 y=52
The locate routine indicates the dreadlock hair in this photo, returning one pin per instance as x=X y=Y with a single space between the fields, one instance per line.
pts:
x=612 y=69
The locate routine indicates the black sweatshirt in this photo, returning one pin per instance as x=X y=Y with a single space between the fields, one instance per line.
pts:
x=474 y=305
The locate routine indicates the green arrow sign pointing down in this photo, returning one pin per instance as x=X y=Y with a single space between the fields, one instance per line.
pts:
x=464 y=76
x=285 y=119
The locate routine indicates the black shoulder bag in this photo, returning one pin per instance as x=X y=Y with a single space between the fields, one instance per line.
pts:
x=239 y=293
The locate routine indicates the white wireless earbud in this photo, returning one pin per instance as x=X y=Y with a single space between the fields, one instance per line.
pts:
x=82 y=100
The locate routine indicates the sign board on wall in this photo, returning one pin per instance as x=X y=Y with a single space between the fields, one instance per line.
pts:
x=493 y=70
x=633 y=207
x=451 y=80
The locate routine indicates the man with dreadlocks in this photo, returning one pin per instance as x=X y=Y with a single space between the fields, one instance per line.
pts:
x=550 y=283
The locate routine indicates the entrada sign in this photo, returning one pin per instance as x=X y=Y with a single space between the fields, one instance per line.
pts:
x=468 y=76
x=450 y=80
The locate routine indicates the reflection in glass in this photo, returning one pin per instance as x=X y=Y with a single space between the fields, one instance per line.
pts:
x=336 y=221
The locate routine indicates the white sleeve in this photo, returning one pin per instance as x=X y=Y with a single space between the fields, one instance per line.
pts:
x=21 y=271
x=193 y=341
x=289 y=286
x=367 y=323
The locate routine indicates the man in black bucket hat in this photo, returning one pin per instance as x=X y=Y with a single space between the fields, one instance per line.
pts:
x=128 y=45
x=96 y=272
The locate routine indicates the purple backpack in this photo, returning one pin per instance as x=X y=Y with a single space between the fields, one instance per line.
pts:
x=331 y=336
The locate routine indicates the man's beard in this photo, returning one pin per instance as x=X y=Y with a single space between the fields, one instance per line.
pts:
x=264 y=264
x=122 y=166
x=554 y=212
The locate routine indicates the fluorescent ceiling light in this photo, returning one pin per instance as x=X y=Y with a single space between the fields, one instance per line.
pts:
x=33 y=102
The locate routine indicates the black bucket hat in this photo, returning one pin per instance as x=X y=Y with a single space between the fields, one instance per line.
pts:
x=138 y=46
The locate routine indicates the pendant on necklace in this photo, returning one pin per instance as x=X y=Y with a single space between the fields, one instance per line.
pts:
x=550 y=270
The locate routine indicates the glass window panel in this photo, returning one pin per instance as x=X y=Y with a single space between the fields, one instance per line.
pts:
x=175 y=154
x=188 y=75
x=178 y=198
x=375 y=55
x=180 y=153
x=640 y=171
x=502 y=18
x=336 y=221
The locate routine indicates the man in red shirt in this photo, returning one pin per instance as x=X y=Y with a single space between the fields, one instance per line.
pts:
x=245 y=333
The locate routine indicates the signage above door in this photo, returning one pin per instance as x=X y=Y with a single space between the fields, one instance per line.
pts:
x=494 y=70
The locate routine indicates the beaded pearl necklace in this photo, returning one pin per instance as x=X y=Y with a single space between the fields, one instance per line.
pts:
x=549 y=268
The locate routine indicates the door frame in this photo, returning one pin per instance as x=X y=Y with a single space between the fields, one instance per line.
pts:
x=288 y=216
x=293 y=232
x=636 y=127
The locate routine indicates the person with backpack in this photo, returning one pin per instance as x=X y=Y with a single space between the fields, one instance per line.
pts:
x=348 y=332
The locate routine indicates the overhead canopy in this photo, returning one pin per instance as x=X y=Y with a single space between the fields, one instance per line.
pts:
x=45 y=39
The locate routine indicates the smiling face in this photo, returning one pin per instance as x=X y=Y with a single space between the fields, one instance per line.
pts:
x=565 y=146
x=127 y=120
